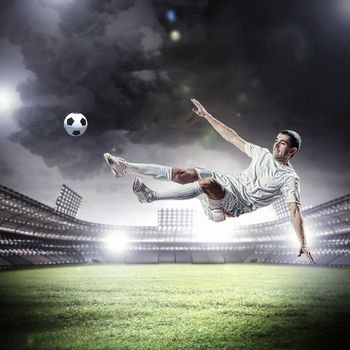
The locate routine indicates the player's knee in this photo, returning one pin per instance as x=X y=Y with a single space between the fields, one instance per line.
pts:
x=212 y=188
x=184 y=176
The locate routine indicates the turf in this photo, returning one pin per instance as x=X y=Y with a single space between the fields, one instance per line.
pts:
x=175 y=306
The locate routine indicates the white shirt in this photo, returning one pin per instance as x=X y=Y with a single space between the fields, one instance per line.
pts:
x=266 y=179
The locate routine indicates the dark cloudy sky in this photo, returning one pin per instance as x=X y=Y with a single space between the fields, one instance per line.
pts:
x=259 y=66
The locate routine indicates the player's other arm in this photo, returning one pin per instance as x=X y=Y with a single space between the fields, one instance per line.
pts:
x=298 y=225
x=227 y=133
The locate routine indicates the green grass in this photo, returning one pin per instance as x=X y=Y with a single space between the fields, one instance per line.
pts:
x=175 y=306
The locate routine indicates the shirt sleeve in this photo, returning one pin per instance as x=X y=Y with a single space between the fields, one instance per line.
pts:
x=254 y=151
x=291 y=190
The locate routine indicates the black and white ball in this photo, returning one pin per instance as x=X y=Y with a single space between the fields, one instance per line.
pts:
x=75 y=124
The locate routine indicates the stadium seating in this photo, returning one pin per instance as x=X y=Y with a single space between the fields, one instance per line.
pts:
x=166 y=256
x=216 y=257
x=32 y=233
x=183 y=257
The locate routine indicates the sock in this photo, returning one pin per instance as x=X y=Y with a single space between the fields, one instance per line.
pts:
x=187 y=191
x=158 y=172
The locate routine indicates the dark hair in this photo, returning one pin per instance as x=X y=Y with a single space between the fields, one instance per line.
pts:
x=294 y=138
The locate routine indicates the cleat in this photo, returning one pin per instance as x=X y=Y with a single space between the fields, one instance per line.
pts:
x=117 y=164
x=142 y=192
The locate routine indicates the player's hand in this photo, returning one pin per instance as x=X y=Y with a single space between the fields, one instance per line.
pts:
x=199 y=109
x=306 y=251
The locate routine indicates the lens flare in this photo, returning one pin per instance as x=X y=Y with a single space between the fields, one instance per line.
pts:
x=8 y=99
x=170 y=16
x=116 y=242
x=175 y=35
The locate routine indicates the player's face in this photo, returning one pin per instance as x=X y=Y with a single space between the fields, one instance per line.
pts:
x=281 y=148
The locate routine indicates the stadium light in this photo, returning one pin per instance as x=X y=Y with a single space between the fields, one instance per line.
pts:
x=207 y=231
x=116 y=242
x=261 y=215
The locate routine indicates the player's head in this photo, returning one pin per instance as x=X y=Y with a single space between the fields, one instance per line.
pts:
x=287 y=143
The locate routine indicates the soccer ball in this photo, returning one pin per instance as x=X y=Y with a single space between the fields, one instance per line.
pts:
x=75 y=124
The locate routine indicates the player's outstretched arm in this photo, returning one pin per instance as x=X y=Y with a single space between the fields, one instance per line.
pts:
x=298 y=224
x=227 y=133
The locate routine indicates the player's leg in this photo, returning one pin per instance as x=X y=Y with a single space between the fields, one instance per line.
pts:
x=221 y=199
x=212 y=208
x=121 y=167
x=212 y=202
x=212 y=188
x=184 y=176
x=207 y=186
x=146 y=195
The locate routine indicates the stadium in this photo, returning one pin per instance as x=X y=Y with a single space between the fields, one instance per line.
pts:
x=123 y=286
x=185 y=92
x=35 y=234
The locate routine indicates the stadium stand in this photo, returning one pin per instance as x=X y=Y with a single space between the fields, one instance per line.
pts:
x=216 y=257
x=200 y=257
x=166 y=257
x=183 y=257
x=32 y=233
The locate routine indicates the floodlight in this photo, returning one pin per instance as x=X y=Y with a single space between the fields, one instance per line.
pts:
x=117 y=242
x=207 y=231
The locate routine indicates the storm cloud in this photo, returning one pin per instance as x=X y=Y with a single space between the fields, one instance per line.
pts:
x=258 y=66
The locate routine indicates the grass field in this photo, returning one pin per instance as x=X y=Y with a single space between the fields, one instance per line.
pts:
x=175 y=306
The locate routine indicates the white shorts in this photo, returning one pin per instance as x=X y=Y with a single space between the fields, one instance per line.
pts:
x=229 y=206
